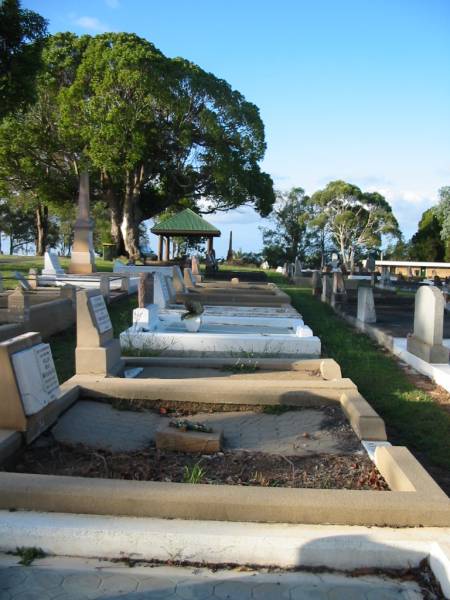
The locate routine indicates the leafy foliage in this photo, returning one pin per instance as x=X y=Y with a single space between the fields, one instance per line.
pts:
x=356 y=220
x=21 y=35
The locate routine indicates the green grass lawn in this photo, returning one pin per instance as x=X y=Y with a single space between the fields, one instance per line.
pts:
x=22 y=264
x=410 y=414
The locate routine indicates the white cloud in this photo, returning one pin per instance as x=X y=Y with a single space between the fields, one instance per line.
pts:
x=92 y=24
x=112 y=3
x=408 y=206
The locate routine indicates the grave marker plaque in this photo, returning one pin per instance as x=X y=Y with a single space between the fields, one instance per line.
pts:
x=36 y=377
x=100 y=313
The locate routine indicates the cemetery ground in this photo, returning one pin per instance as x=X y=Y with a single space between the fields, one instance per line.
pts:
x=415 y=410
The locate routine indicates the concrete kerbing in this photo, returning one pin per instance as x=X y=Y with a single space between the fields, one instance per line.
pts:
x=404 y=473
x=221 y=502
x=208 y=390
x=285 y=546
x=366 y=423
x=326 y=365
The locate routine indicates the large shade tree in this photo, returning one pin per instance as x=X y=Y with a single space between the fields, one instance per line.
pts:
x=153 y=132
x=160 y=131
x=356 y=220
x=22 y=33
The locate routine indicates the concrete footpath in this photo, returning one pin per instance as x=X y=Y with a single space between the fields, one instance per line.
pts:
x=58 y=578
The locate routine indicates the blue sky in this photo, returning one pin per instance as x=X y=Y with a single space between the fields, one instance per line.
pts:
x=348 y=89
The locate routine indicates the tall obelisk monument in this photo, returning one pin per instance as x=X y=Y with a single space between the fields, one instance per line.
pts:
x=82 y=258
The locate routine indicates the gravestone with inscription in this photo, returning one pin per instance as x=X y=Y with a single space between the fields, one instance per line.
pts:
x=97 y=352
x=29 y=385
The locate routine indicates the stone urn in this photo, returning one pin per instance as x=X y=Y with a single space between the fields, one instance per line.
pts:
x=193 y=323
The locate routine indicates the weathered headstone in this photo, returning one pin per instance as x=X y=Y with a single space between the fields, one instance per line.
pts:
x=188 y=278
x=33 y=278
x=385 y=278
x=316 y=283
x=36 y=377
x=51 y=265
x=82 y=257
x=426 y=341
x=366 y=305
x=171 y=289
x=177 y=279
x=22 y=281
x=297 y=268
x=265 y=265
x=29 y=384
x=18 y=306
x=105 y=286
x=338 y=293
x=195 y=268
x=145 y=290
x=326 y=288
x=161 y=295
x=97 y=351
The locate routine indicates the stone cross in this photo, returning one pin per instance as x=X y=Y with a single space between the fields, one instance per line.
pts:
x=82 y=258
x=366 y=305
x=426 y=341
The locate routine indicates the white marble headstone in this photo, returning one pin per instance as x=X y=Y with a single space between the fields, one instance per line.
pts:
x=36 y=377
x=161 y=295
x=100 y=313
x=52 y=265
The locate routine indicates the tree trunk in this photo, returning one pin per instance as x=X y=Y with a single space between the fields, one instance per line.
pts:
x=129 y=226
x=41 y=229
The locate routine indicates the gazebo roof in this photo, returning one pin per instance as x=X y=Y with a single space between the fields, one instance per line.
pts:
x=186 y=222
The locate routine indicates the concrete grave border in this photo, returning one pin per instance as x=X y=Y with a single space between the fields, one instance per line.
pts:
x=414 y=500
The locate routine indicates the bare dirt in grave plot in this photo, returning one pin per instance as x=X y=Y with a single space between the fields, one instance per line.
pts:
x=354 y=471
x=285 y=448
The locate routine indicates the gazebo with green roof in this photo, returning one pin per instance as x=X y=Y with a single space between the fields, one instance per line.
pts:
x=185 y=223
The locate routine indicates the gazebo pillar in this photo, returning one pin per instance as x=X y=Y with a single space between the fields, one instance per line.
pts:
x=167 y=249
x=160 y=248
x=210 y=245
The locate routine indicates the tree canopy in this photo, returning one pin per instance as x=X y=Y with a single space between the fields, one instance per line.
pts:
x=21 y=35
x=154 y=133
x=356 y=220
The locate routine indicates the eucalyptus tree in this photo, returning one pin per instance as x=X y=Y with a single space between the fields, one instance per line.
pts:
x=356 y=220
